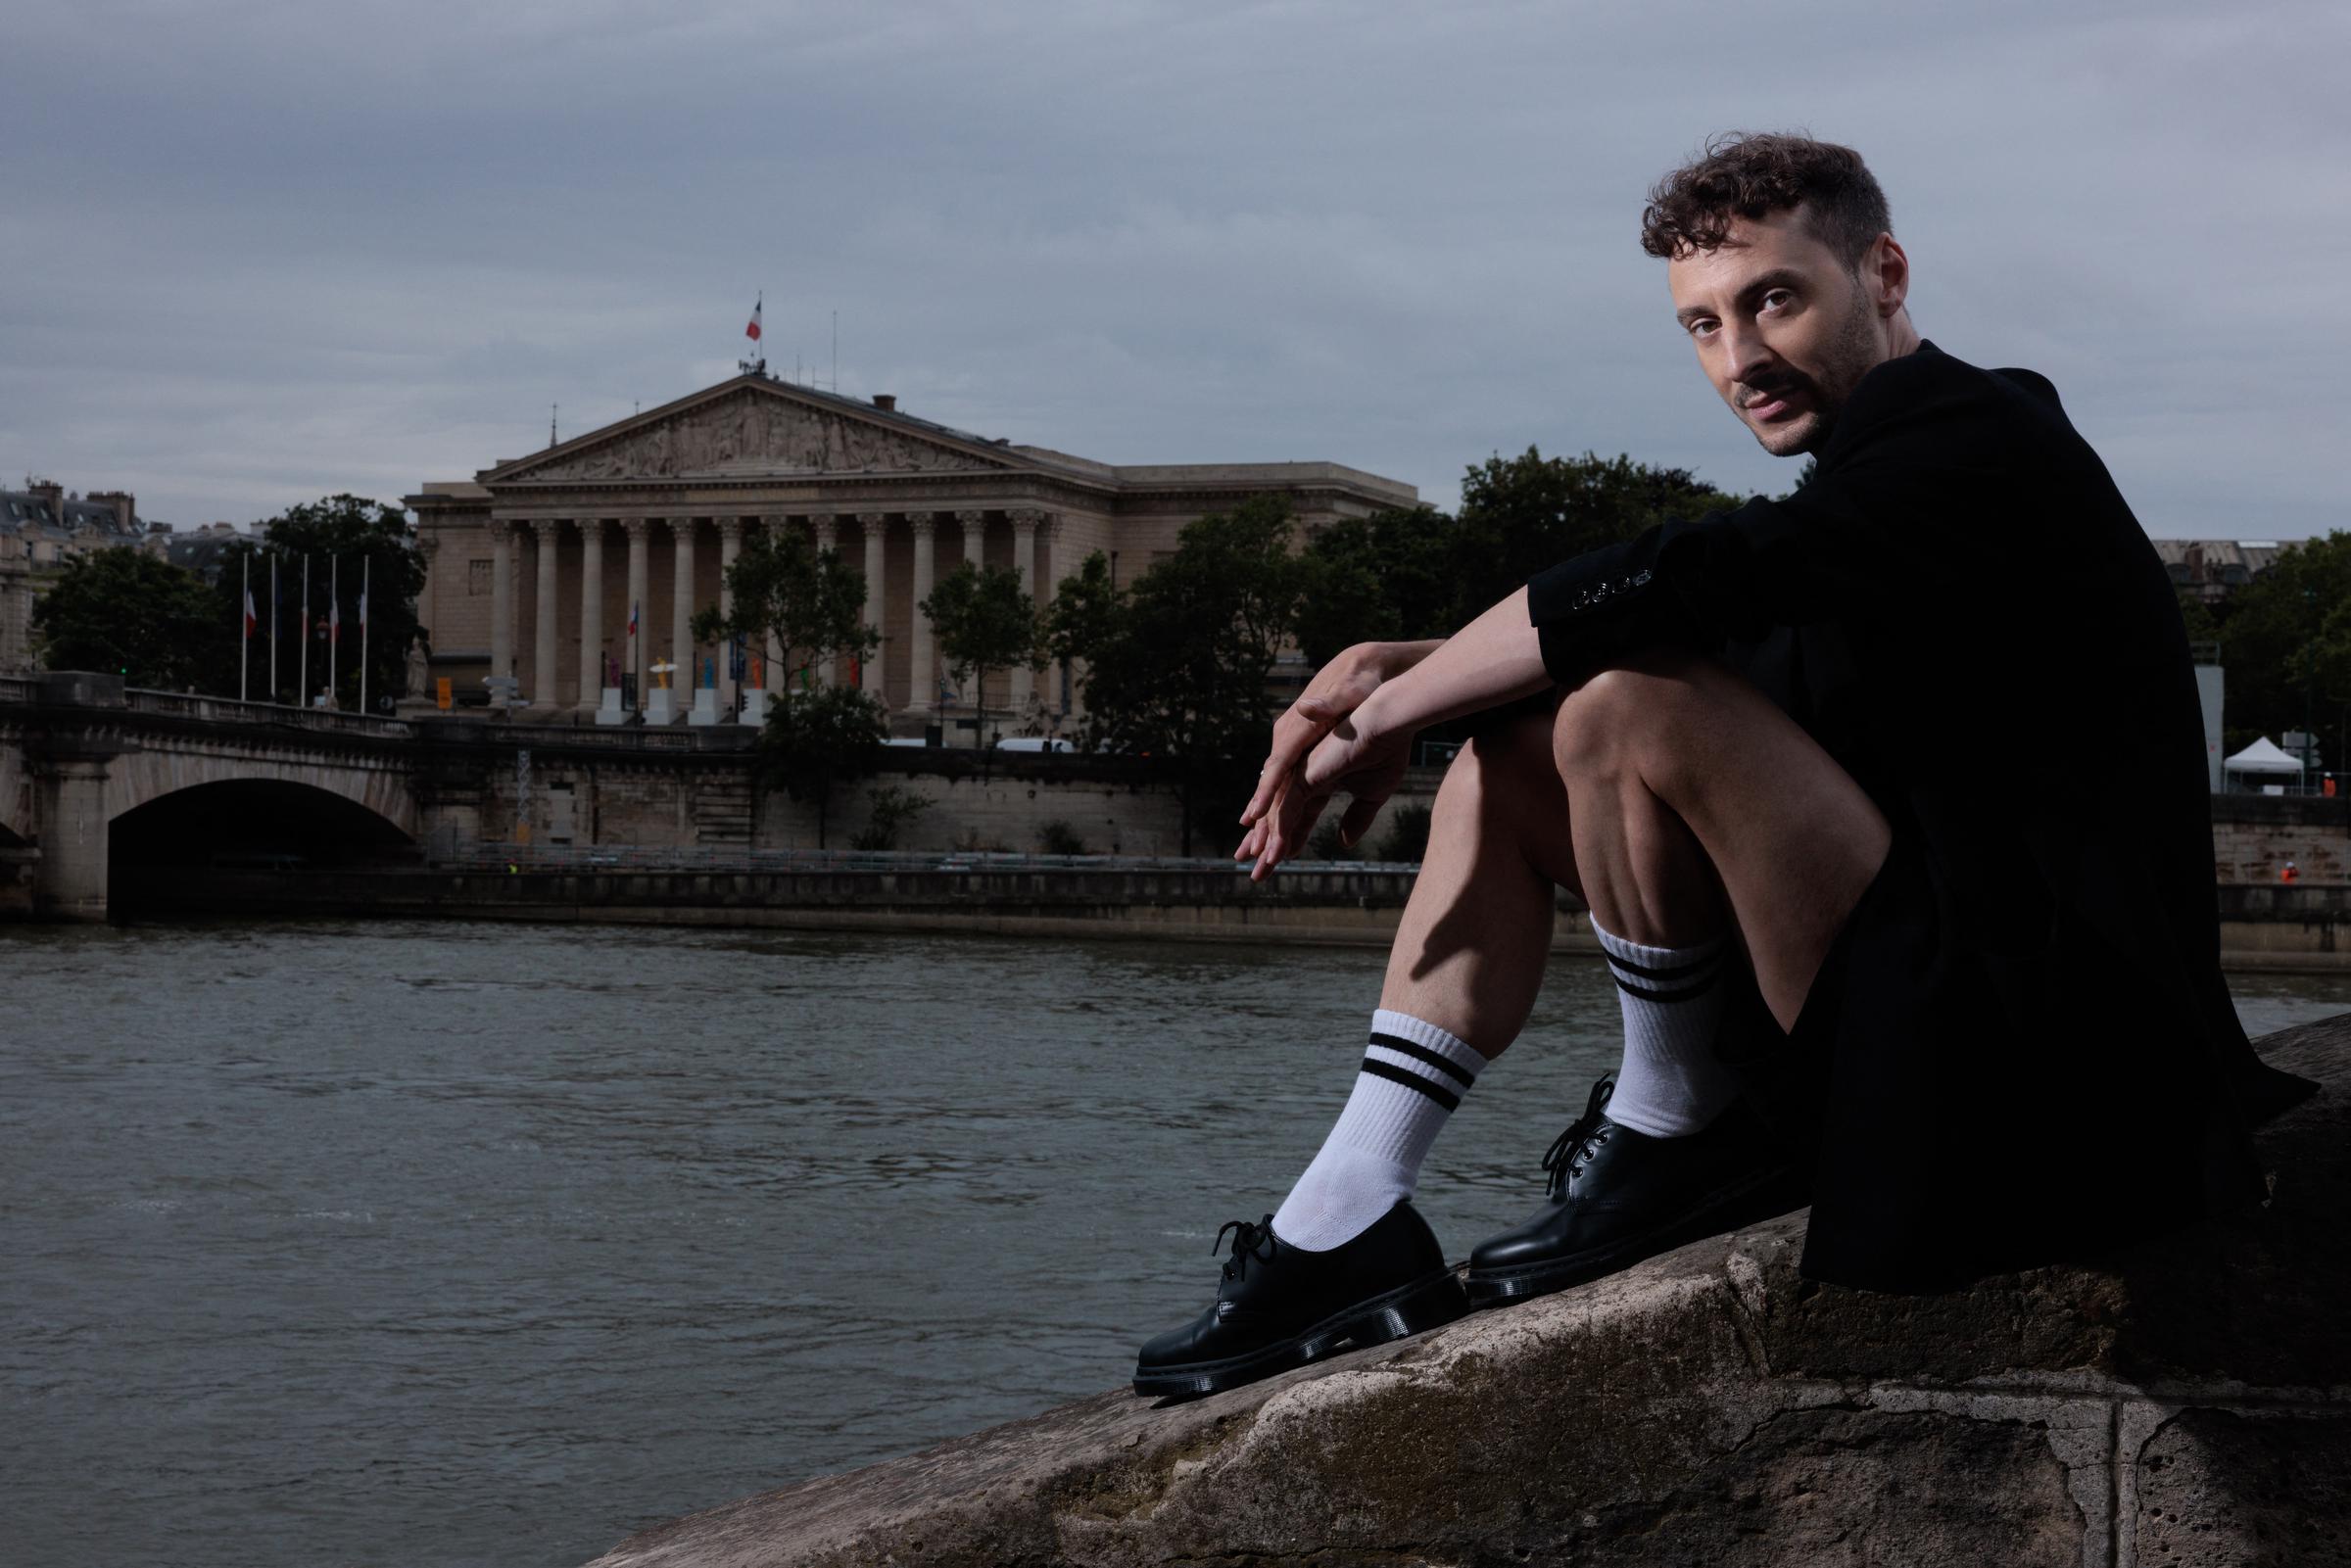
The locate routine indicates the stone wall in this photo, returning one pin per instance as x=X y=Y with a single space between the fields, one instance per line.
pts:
x=2187 y=1403
x=2253 y=837
x=658 y=799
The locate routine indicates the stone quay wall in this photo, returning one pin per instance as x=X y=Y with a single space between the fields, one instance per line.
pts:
x=2187 y=1403
x=2253 y=837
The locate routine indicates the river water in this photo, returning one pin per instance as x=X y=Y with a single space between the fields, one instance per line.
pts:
x=448 y=1243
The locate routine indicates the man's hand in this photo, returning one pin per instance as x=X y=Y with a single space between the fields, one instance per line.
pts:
x=1284 y=808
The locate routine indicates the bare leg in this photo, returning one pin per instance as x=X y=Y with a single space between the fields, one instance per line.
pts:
x=1692 y=791
x=1477 y=932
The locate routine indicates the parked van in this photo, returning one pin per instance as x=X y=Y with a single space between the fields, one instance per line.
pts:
x=1033 y=742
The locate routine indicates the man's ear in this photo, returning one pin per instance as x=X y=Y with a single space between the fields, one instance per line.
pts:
x=1886 y=272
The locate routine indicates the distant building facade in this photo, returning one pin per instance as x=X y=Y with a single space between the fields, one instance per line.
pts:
x=2214 y=568
x=42 y=526
x=538 y=567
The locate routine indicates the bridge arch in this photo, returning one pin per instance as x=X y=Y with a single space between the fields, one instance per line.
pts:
x=377 y=785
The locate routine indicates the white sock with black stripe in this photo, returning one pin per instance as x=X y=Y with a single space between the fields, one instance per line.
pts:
x=1413 y=1077
x=1671 y=1083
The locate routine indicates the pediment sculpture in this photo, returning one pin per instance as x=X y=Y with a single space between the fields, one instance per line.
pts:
x=753 y=433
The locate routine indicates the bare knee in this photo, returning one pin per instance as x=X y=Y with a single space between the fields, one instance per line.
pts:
x=1635 y=717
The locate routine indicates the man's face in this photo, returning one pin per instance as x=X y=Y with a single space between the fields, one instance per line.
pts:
x=1780 y=328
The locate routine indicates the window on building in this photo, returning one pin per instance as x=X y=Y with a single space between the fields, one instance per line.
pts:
x=477 y=579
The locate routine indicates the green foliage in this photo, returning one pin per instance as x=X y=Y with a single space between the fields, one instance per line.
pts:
x=1521 y=514
x=816 y=740
x=1407 y=837
x=124 y=612
x=1390 y=577
x=1058 y=837
x=2285 y=642
x=371 y=539
x=809 y=603
x=1178 y=664
x=888 y=810
x=985 y=619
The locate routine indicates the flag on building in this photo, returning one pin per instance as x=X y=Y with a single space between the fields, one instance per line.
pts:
x=632 y=618
x=752 y=331
x=251 y=619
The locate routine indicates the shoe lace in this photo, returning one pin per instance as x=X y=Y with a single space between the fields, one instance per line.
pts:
x=1561 y=1161
x=1248 y=1241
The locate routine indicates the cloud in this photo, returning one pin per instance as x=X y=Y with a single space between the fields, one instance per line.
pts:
x=262 y=251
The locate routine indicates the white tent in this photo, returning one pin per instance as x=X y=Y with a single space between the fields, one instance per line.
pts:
x=2262 y=757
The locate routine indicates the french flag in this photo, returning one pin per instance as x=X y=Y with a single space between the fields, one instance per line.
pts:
x=752 y=331
x=632 y=618
x=251 y=620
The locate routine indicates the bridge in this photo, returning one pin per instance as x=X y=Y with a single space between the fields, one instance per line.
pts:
x=89 y=768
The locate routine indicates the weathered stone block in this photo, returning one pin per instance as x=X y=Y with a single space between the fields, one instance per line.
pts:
x=1707 y=1406
x=2217 y=1488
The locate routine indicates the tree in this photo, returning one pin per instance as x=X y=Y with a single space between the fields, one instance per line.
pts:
x=1521 y=514
x=815 y=741
x=2285 y=642
x=1388 y=577
x=1177 y=665
x=786 y=594
x=124 y=612
x=371 y=539
x=985 y=620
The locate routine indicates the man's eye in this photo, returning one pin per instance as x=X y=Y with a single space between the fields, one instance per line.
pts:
x=1703 y=328
x=1777 y=299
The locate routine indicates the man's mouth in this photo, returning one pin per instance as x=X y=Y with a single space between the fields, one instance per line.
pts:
x=1766 y=407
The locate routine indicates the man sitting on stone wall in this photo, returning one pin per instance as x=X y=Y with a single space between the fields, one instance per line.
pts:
x=1976 y=1017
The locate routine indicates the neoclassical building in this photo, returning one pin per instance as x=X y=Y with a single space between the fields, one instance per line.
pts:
x=534 y=565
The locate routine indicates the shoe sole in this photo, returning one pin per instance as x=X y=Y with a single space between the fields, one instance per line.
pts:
x=1414 y=1309
x=1725 y=1208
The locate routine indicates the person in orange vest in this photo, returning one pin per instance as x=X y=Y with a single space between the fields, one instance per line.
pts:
x=2291 y=872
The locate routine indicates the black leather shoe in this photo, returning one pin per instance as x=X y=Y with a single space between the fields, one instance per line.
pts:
x=1615 y=1196
x=1279 y=1307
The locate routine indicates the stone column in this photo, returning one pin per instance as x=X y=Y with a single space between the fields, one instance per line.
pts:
x=870 y=672
x=825 y=528
x=635 y=661
x=502 y=599
x=592 y=613
x=777 y=653
x=922 y=685
x=729 y=545
x=548 y=530
x=1048 y=534
x=1024 y=553
x=973 y=525
x=680 y=614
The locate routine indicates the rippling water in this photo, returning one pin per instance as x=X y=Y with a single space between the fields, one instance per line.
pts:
x=442 y=1243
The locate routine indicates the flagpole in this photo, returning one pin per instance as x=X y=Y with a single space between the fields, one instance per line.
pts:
x=366 y=574
x=245 y=632
x=301 y=693
x=277 y=610
x=334 y=620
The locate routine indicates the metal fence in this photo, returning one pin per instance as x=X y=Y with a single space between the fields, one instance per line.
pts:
x=594 y=858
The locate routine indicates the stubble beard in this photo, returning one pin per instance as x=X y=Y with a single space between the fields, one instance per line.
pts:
x=1851 y=354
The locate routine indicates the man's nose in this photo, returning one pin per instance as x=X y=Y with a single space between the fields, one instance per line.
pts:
x=1745 y=356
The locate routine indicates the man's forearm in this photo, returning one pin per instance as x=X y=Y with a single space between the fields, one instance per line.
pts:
x=1494 y=659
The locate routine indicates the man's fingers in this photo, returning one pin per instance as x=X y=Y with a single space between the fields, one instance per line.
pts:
x=1307 y=721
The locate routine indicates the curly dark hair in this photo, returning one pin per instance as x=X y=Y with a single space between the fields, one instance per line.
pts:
x=1743 y=174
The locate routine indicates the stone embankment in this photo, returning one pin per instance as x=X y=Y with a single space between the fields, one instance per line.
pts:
x=2187 y=1403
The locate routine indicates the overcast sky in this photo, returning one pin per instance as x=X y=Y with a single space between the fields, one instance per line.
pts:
x=260 y=252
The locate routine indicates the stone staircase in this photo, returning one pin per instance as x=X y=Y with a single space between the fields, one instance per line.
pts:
x=722 y=808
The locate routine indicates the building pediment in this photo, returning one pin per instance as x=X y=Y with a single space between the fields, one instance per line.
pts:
x=753 y=427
